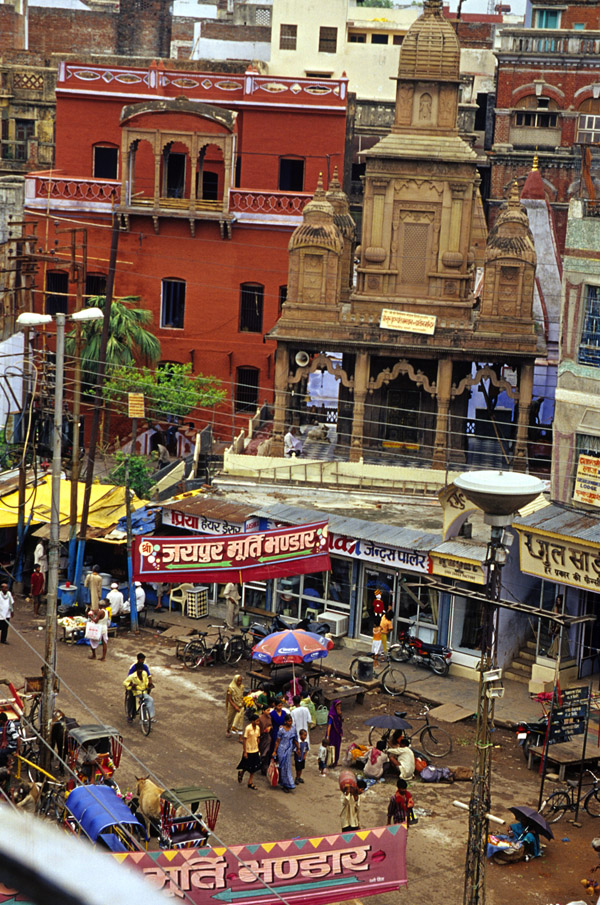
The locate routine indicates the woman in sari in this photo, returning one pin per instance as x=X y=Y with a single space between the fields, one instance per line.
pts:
x=234 y=705
x=335 y=731
x=287 y=740
x=278 y=716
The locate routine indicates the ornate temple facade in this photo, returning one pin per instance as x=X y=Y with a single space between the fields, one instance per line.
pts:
x=406 y=337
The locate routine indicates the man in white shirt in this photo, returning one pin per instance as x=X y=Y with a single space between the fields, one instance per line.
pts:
x=292 y=444
x=140 y=596
x=114 y=599
x=301 y=717
x=39 y=556
x=402 y=757
x=7 y=605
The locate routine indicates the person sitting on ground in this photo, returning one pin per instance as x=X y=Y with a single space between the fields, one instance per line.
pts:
x=376 y=761
x=140 y=599
x=8 y=738
x=292 y=444
x=401 y=805
x=528 y=837
x=401 y=755
x=138 y=684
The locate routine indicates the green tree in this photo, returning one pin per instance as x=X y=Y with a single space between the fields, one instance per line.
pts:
x=169 y=390
x=128 y=340
x=386 y=4
x=141 y=468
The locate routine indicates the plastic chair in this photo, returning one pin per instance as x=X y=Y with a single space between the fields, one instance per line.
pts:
x=179 y=595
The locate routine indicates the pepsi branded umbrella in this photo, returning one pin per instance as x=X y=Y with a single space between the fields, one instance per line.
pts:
x=292 y=646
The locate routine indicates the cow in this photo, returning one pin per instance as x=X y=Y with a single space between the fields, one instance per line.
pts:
x=27 y=796
x=148 y=794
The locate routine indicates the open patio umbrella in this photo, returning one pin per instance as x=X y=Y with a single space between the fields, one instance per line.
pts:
x=292 y=646
x=531 y=818
x=388 y=721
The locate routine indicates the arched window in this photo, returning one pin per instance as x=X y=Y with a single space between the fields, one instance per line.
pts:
x=251 y=307
x=106 y=161
x=588 y=124
x=246 y=389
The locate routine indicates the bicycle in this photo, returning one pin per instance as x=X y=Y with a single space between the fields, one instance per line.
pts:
x=241 y=646
x=52 y=800
x=434 y=740
x=196 y=652
x=393 y=680
x=557 y=804
x=138 y=705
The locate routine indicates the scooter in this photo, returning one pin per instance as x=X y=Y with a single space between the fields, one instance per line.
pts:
x=531 y=734
x=412 y=649
x=260 y=631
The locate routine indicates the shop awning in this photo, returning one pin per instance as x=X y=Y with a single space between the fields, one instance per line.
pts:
x=107 y=504
x=209 y=515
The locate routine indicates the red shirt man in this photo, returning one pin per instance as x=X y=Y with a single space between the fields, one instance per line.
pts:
x=36 y=587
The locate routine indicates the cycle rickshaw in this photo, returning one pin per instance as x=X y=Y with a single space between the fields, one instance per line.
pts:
x=93 y=754
x=100 y=815
x=191 y=828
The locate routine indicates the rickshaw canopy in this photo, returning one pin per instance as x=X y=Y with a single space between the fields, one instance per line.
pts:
x=85 y=735
x=187 y=795
x=96 y=808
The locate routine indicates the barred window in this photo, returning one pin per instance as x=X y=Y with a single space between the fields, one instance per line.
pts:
x=172 y=309
x=589 y=347
x=327 y=39
x=95 y=284
x=251 y=307
x=246 y=389
x=57 y=292
x=288 y=35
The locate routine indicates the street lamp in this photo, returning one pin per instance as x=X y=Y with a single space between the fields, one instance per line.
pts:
x=500 y=495
x=26 y=320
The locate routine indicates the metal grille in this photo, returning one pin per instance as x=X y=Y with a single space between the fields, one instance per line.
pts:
x=263 y=16
x=327 y=39
x=414 y=252
x=287 y=37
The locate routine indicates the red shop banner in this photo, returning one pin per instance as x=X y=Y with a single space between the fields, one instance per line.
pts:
x=241 y=558
x=300 y=871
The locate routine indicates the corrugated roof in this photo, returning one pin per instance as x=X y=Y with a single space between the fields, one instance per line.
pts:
x=560 y=520
x=388 y=535
x=211 y=507
x=463 y=547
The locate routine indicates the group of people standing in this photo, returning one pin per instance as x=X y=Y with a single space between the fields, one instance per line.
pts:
x=278 y=736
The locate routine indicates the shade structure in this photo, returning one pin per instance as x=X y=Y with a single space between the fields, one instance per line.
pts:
x=293 y=646
x=531 y=818
x=388 y=721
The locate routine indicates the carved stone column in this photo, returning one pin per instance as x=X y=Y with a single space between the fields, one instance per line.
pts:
x=444 y=390
x=282 y=367
x=525 y=394
x=361 y=382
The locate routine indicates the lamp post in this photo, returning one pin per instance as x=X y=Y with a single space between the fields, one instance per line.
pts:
x=499 y=494
x=27 y=320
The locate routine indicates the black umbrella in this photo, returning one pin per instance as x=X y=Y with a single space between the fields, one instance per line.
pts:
x=388 y=721
x=531 y=818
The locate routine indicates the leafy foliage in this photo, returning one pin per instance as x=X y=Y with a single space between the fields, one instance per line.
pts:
x=141 y=469
x=169 y=390
x=386 y=4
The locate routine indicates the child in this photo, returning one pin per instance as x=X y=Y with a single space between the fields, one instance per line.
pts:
x=400 y=808
x=300 y=759
x=350 y=813
x=323 y=757
x=386 y=625
x=376 y=645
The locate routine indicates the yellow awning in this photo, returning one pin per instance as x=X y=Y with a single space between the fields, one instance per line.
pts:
x=107 y=504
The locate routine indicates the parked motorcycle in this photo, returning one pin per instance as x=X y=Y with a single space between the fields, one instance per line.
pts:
x=411 y=649
x=259 y=631
x=531 y=734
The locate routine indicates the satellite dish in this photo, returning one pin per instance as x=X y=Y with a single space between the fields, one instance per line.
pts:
x=499 y=493
x=302 y=358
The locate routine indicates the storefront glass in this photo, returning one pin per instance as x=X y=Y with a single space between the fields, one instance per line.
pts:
x=465 y=633
x=307 y=596
x=375 y=580
x=417 y=605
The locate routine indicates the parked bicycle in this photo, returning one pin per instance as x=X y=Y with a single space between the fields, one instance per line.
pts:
x=434 y=740
x=52 y=800
x=197 y=653
x=557 y=804
x=241 y=646
x=392 y=679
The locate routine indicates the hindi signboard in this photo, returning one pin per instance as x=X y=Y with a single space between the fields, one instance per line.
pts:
x=571 y=717
x=203 y=524
x=407 y=321
x=457 y=568
x=326 y=869
x=587 y=481
x=559 y=559
x=241 y=557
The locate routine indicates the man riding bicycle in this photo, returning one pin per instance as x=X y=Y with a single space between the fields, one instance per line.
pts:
x=137 y=684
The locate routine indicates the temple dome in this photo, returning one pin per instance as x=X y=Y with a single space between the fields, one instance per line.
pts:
x=318 y=228
x=511 y=236
x=430 y=51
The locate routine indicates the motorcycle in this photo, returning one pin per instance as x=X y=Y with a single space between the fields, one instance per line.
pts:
x=411 y=649
x=260 y=631
x=531 y=734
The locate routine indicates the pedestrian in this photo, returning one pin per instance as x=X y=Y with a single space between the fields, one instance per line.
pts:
x=234 y=705
x=264 y=742
x=301 y=717
x=335 y=731
x=387 y=627
x=300 y=757
x=93 y=581
x=36 y=587
x=401 y=755
x=350 y=813
x=7 y=605
x=376 y=644
x=115 y=600
x=287 y=742
x=232 y=601
x=250 y=761
x=100 y=617
x=322 y=757
x=400 y=805
x=278 y=718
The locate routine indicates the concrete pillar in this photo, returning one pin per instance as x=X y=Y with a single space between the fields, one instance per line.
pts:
x=444 y=389
x=525 y=394
x=282 y=368
x=361 y=382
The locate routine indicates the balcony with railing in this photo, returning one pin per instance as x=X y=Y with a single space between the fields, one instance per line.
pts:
x=553 y=41
x=47 y=189
x=261 y=204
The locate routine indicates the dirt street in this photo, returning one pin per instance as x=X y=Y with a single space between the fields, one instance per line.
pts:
x=188 y=746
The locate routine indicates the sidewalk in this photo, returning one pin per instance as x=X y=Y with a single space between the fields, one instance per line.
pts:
x=422 y=684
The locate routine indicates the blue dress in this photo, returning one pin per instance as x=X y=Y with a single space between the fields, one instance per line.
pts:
x=277 y=721
x=287 y=738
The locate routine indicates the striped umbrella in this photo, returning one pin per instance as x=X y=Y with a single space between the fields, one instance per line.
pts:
x=292 y=646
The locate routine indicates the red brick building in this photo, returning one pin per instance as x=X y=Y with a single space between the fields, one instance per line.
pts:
x=548 y=100
x=209 y=173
